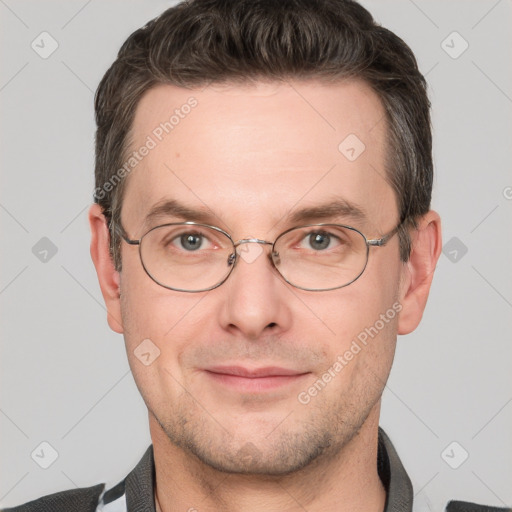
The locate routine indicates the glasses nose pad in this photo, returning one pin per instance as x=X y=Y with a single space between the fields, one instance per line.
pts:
x=276 y=258
x=231 y=259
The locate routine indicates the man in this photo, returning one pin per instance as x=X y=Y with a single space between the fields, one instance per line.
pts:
x=262 y=233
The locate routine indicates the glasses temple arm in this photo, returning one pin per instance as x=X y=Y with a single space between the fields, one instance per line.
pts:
x=379 y=242
x=119 y=231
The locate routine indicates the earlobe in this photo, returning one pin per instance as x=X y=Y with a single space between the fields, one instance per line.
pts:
x=108 y=277
x=419 y=271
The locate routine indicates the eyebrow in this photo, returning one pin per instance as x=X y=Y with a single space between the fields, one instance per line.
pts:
x=338 y=208
x=173 y=208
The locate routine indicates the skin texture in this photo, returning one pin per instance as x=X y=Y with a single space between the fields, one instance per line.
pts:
x=248 y=156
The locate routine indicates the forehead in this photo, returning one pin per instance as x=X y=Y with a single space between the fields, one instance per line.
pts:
x=257 y=151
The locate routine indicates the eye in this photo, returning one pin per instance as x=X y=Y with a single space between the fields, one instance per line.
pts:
x=189 y=241
x=320 y=241
x=177 y=239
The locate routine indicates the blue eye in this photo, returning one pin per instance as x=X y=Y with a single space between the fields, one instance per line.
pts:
x=319 y=240
x=191 y=241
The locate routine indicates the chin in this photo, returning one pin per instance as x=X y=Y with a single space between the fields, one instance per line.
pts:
x=252 y=453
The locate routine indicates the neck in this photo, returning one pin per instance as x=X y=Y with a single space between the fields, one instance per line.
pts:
x=347 y=480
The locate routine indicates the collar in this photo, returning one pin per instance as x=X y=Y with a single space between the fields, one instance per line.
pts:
x=137 y=489
x=399 y=493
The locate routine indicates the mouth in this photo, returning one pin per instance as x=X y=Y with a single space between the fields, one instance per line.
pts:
x=254 y=380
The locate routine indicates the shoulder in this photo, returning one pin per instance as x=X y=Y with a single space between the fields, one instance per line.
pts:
x=138 y=491
x=84 y=499
x=465 y=506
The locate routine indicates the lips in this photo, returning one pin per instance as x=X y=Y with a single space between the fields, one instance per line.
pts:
x=254 y=380
x=254 y=373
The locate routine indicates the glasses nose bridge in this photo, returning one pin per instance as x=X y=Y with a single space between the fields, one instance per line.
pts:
x=252 y=240
x=243 y=241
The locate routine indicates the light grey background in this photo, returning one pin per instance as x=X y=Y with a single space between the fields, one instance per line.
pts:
x=64 y=375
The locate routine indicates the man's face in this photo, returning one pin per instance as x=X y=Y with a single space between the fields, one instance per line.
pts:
x=250 y=157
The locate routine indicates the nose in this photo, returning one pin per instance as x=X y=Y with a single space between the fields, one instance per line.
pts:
x=256 y=299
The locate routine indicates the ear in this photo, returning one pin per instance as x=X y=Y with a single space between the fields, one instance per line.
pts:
x=418 y=272
x=108 y=277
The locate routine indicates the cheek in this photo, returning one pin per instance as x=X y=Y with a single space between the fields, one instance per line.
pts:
x=148 y=310
x=362 y=305
x=157 y=323
x=362 y=319
x=360 y=357
x=157 y=335
x=151 y=319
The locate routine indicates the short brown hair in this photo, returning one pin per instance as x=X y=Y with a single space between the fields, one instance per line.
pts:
x=199 y=42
